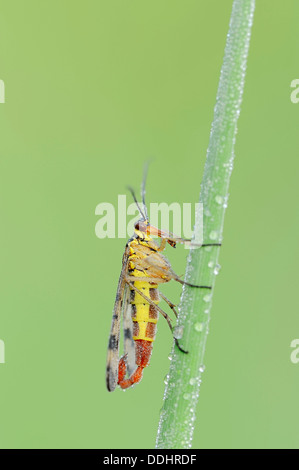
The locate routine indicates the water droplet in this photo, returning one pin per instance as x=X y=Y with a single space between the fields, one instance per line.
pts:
x=178 y=331
x=186 y=396
x=217 y=269
x=207 y=297
x=166 y=379
x=202 y=368
x=192 y=381
x=213 y=235
x=198 y=326
x=170 y=357
x=219 y=199
x=210 y=264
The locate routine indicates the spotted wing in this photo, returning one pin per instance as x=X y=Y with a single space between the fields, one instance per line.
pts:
x=113 y=346
x=129 y=343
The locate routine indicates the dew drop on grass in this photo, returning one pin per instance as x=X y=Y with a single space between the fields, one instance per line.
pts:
x=207 y=298
x=219 y=199
x=217 y=269
x=210 y=264
x=178 y=332
x=198 y=326
x=213 y=235
x=186 y=396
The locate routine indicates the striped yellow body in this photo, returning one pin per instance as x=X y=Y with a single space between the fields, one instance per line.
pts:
x=143 y=313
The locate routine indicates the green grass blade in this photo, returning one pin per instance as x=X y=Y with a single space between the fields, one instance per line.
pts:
x=181 y=393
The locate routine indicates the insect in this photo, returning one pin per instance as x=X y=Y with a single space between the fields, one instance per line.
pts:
x=143 y=268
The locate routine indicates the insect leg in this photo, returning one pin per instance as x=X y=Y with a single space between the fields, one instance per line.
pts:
x=190 y=285
x=171 y=305
x=162 y=244
x=188 y=241
x=172 y=239
x=211 y=244
x=150 y=301
x=160 y=281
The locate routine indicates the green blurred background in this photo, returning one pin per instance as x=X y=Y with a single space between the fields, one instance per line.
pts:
x=93 y=89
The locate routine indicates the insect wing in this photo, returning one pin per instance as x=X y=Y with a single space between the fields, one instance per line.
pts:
x=129 y=343
x=113 y=346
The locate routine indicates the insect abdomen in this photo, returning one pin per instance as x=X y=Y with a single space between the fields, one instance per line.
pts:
x=145 y=317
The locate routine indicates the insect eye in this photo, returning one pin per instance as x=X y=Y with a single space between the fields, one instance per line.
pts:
x=140 y=225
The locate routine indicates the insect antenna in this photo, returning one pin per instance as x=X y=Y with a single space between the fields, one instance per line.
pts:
x=136 y=202
x=145 y=171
